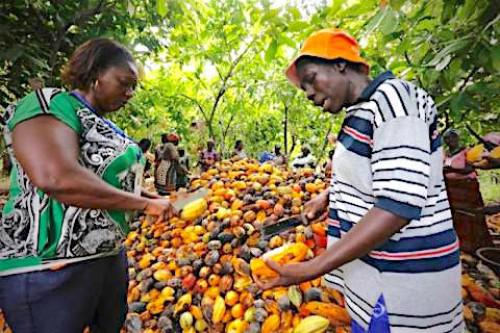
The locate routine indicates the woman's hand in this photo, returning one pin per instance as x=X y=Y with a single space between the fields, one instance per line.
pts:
x=315 y=207
x=161 y=208
x=287 y=275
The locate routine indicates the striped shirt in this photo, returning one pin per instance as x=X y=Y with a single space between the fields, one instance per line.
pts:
x=389 y=156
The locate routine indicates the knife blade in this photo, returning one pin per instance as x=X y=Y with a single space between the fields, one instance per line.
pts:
x=180 y=202
x=281 y=226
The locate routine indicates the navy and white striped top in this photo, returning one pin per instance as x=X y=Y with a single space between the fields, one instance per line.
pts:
x=389 y=156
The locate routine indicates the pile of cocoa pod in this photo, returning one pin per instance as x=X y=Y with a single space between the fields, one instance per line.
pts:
x=193 y=273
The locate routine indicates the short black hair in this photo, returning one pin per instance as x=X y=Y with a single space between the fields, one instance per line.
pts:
x=306 y=59
x=144 y=144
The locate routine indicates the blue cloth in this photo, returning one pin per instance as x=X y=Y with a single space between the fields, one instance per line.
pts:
x=379 y=322
x=266 y=156
x=91 y=293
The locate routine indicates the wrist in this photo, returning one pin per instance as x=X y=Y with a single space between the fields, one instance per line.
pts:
x=324 y=197
x=311 y=270
x=142 y=203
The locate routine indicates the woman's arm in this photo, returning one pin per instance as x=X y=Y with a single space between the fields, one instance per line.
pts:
x=48 y=152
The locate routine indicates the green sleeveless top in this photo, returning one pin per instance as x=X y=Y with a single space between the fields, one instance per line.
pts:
x=38 y=232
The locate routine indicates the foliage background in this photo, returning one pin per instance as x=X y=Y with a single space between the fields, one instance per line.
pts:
x=220 y=63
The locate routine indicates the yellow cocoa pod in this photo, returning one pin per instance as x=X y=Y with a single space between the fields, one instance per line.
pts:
x=312 y=324
x=186 y=320
x=201 y=325
x=295 y=296
x=219 y=310
x=162 y=275
x=237 y=326
x=495 y=153
x=183 y=302
x=474 y=154
x=194 y=209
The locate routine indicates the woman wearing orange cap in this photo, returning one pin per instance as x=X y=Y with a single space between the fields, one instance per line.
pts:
x=392 y=249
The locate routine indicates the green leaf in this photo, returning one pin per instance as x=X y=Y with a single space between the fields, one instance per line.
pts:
x=457 y=105
x=271 y=51
x=390 y=22
x=427 y=24
x=130 y=8
x=361 y=8
x=443 y=63
x=397 y=4
x=455 y=46
x=404 y=46
x=295 y=13
x=375 y=21
x=455 y=67
x=161 y=7
x=297 y=26
x=284 y=39
x=12 y=54
x=467 y=10
x=335 y=7
x=495 y=57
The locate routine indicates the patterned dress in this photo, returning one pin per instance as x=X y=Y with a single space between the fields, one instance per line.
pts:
x=389 y=156
x=37 y=231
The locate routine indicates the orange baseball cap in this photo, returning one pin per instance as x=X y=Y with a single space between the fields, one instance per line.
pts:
x=327 y=44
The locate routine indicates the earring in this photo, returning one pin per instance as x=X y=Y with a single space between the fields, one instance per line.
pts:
x=96 y=83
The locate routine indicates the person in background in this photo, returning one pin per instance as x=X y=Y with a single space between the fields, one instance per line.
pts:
x=328 y=166
x=159 y=148
x=167 y=169
x=305 y=159
x=208 y=157
x=455 y=159
x=182 y=178
x=392 y=248
x=145 y=145
x=239 y=150
x=75 y=185
x=266 y=157
x=280 y=159
x=36 y=83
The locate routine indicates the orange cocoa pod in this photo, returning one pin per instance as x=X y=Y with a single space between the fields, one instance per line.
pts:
x=286 y=320
x=237 y=311
x=196 y=312
x=271 y=324
x=337 y=315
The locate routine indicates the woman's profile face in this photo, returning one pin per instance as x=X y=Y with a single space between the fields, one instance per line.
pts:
x=115 y=87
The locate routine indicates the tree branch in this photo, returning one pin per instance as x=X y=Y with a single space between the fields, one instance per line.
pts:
x=462 y=88
x=467 y=79
x=228 y=75
x=224 y=133
x=410 y=63
x=79 y=19
x=195 y=101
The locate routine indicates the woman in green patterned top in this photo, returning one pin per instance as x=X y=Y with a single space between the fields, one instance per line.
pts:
x=75 y=184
